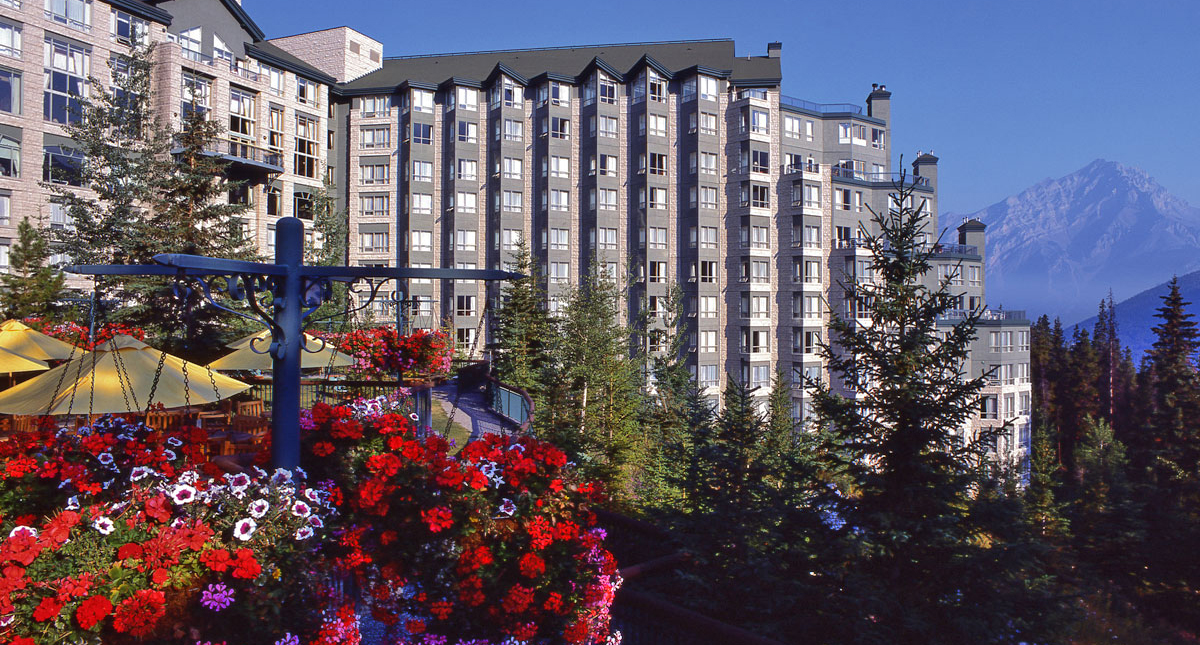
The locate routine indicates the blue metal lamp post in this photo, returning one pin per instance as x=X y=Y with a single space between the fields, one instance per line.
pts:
x=296 y=290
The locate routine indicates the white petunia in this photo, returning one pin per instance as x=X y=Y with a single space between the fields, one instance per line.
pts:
x=259 y=507
x=139 y=473
x=244 y=529
x=303 y=533
x=301 y=509
x=23 y=530
x=183 y=494
x=104 y=525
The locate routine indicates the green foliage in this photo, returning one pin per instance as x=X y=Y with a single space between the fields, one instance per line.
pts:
x=31 y=287
x=930 y=550
x=523 y=330
x=329 y=246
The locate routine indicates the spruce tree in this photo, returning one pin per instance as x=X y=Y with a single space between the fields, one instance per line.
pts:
x=31 y=287
x=522 y=331
x=924 y=555
x=122 y=149
x=329 y=246
x=1045 y=509
x=1108 y=529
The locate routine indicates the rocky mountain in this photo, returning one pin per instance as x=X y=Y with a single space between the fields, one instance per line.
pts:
x=1059 y=246
x=1135 y=316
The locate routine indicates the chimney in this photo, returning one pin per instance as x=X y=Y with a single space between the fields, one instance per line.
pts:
x=879 y=103
x=774 y=49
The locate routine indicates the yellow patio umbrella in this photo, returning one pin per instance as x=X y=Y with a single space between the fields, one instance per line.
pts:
x=18 y=337
x=117 y=379
x=11 y=361
x=244 y=356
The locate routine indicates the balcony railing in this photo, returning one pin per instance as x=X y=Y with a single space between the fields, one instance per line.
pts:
x=821 y=108
x=889 y=178
x=954 y=249
x=987 y=315
x=243 y=150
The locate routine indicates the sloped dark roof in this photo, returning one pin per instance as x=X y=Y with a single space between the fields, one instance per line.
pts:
x=244 y=19
x=713 y=56
x=272 y=54
x=143 y=10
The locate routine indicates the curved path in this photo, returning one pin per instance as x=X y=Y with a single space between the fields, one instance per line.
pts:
x=473 y=412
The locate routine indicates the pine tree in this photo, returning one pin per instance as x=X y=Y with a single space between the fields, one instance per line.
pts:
x=1045 y=510
x=912 y=566
x=1078 y=393
x=190 y=215
x=1108 y=527
x=329 y=246
x=119 y=154
x=522 y=329
x=594 y=411
x=31 y=287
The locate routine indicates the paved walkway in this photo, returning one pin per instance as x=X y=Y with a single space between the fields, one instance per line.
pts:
x=473 y=412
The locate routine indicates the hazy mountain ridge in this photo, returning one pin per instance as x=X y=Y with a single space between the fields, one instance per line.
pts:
x=1135 y=315
x=1060 y=245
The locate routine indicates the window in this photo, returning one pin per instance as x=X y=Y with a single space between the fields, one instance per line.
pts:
x=422 y=171
x=374 y=205
x=468 y=98
x=760 y=161
x=560 y=167
x=755 y=306
x=707 y=376
x=607 y=87
x=708 y=163
x=373 y=242
x=465 y=339
x=241 y=113
x=62 y=165
x=843 y=133
x=560 y=128
x=791 y=127
x=560 y=239
x=608 y=127
x=513 y=201
x=755 y=340
x=422 y=204
x=377 y=137
x=422 y=101
x=59 y=217
x=10 y=91
x=306 y=91
x=373 y=106
x=658 y=238
x=464 y=240
x=974 y=275
x=66 y=67
x=5 y=208
x=708 y=271
x=877 y=138
x=708 y=341
x=952 y=273
x=10 y=157
x=658 y=125
x=560 y=94
x=465 y=202
x=306 y=146
x=76 y=14
x=512 y=167
x=421 y=265
x=468 y=169
x=708 y=197
x=606 y=238
x=421 y=240
x=468 y=131
x=302 y=204
x=708 y=123
x=373 y=173
x=513 y=130
x=560 y=272
x=560 y=200
x=842 y=201
x=708 y=306
x=988 y=408
x=756 y=196
x=658 y=163
x=708 y=88
x=512 y=94
x=756 y=375
x=422 y=133
x=464 y=305
x=608 y=199
x=812 y=271
x=607 y=165
x=511 y=238
x=658 y=198
x=708 y=237
x=10 y=40
x=760 y=122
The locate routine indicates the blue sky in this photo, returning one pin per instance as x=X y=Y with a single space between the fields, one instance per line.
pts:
x=1005 y=93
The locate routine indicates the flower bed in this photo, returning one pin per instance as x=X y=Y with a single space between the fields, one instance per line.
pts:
x=381 y=352
x=123 y=533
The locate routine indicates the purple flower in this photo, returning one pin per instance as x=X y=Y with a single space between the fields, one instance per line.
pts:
x=244 y=529
x=288 y=639
x=216 y=597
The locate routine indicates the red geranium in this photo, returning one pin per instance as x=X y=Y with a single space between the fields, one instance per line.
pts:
x=92 y=611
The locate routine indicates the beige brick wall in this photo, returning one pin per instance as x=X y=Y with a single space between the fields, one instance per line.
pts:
x=333 y=52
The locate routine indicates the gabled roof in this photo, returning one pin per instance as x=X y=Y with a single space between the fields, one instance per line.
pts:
x=273 y=55
x=244 y=19
x=669 y=58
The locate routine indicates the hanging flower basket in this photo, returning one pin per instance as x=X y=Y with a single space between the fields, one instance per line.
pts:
x=382 y=352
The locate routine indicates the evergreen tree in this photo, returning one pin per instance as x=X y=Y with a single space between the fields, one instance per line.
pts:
x=31 y=287
x=119 y=153
x=1108 y=528
x=523 y=330
x=1078 y=394
x=594 y=410
x=190 y=215
x=914 y=503
x=329 y=246
x=1045 y=510
x=781 y=432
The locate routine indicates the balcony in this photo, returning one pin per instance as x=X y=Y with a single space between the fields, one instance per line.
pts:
x=954 y=249
x=249 y=159
x=821 y=108
x=878 y=178
x=988 y=315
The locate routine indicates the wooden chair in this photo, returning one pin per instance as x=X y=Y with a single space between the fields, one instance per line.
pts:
x=24 y=424
x=251 y=408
